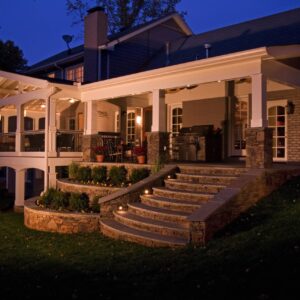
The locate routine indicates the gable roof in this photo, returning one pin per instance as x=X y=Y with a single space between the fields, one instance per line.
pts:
x=275 y=30
x=77 y=52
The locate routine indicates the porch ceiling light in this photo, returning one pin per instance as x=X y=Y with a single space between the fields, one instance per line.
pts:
x=139 y=120
x=43 y=105
x=72 y=100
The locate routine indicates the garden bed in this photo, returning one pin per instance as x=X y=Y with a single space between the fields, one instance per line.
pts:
x=42 y=219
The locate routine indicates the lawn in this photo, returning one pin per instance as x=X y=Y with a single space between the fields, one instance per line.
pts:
x=256 y=257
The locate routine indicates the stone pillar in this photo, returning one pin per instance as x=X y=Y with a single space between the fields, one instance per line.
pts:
x=89 y=142
x=157 y=147
x=20 y=189
x=259 y=137
x=259 y=148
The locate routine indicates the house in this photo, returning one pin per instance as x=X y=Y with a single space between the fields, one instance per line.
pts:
x=160 y=81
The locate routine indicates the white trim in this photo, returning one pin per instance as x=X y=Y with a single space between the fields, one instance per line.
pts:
x=24 y=79
x=170 y=109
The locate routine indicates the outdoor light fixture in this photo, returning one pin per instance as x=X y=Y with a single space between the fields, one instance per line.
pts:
x=146 y=192
x=120 y=208
x=290 y=107
x=139 y=120
x=169 y=176
x=43 y=105
x=72 y=100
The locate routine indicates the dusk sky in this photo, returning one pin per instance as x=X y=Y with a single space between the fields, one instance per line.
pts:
x=37 y=26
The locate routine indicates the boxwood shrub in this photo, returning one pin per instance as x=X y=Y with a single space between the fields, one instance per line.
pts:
x=99 y=174
x=78 y=202
x=117 y=175
x=138 y=174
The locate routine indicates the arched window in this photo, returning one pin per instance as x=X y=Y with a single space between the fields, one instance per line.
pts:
x=277 y=121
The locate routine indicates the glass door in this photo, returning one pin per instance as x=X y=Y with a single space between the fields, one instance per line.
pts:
x=240 y=124
x=277 y=121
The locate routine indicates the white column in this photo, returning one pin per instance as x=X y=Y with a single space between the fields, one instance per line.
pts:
x=20 y=188
x=20 y=127
x=90 y=118
x=51 y=113
x=52 y=177
x=159 y=123
x=259 y=101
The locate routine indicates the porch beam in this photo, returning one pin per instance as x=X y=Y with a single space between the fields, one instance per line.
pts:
x=282 y=73
x=23 y=98
x=24 y=79
x=259 y=101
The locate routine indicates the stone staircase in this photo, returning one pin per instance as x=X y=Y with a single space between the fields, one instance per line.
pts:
x=160 y=219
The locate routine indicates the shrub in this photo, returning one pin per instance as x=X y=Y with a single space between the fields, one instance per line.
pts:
x=117 y=175
x=73 y=170
x=138 y=174
x=95 y=207
x=60 y=200
x=78 y=201
x=84 y=174
x=47 y=197
x=99 y=174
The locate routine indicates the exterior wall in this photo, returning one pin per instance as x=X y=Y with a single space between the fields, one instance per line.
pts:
x=46 y=220
x=106 y=116
x=70 y=112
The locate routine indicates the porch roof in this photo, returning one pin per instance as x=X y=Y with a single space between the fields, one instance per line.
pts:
x=225 y=67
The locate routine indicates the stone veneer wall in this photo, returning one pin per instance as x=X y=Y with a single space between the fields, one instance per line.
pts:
x=46 y=220
x=89 y=142
x=235 y=199
x=157 y=145
x=293 y=121
x=91 y=190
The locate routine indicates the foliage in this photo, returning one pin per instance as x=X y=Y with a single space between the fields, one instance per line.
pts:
x=95 y=206
x=139 y=174
x=84 y=174
x=139 y=150
x=78 y=202
x=11 y=57
x=100 y=150
x=47 y=196
x=99 y=174
x=117 y=175
x=73 y=170
x=123 y=14
x=54 y=199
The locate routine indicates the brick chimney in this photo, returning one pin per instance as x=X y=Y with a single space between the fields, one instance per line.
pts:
x=95 y=34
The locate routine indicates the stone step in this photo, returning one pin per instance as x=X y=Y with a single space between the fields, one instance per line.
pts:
x=211 y=170
x=157 y=213
x=206 y=179
x=172 y=204
x=193 y=187
x=182 y=195
x=156 y=226
x=116 y=230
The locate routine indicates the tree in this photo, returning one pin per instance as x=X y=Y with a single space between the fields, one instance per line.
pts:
x=123 y=13
x=11 y=57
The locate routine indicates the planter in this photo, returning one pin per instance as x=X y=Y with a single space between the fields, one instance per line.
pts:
x=100 y=157
x=141 y=159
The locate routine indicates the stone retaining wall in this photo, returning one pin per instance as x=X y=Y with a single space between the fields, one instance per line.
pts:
x=227 y=205
x=91 y=190
x=46 y=220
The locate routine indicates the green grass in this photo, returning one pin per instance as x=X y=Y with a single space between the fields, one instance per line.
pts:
x=256 y=257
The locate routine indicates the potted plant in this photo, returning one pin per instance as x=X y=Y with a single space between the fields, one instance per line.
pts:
x=140 y=153
x=100 y=153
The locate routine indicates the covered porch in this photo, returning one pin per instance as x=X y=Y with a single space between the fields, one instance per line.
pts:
x=236 y=105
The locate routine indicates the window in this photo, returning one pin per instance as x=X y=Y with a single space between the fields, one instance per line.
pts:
x=277 y=121
x=12 y=124
x=117 y=122
x=41 y=123
x=176 y=119
x=1 y=124
x=130 y=127
x=51 y=75
x=75 y=73
x=28 y=123
x=72 y=123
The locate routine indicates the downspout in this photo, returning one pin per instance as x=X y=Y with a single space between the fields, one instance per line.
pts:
x=99 y=62
x=61 y=69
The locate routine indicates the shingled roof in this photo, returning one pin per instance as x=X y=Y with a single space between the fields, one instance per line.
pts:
x=275 y=30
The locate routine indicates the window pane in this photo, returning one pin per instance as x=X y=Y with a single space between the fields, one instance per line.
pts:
x=272 y=111
x=280 y=110
x=272 y=121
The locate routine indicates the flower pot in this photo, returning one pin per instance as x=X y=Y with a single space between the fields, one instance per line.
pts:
x=100 y=157
x=141 y=159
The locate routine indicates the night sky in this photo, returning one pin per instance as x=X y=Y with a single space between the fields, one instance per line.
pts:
x=37 y=26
